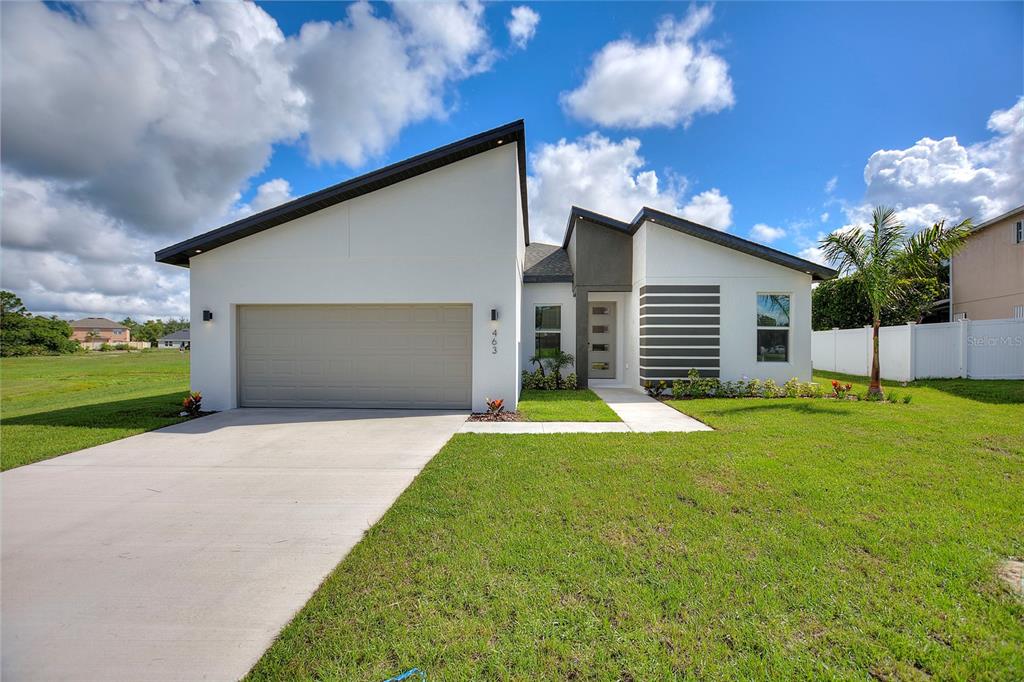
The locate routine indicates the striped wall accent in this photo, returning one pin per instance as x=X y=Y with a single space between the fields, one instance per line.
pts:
x=680 y=327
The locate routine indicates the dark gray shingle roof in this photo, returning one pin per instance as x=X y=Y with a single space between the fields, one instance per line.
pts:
x=180 y=335
x=546 y=263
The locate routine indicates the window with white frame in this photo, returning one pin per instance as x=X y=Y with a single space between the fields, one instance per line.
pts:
x=773 y=327
x=547 y=330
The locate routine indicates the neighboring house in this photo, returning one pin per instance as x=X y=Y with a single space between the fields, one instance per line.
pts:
x=987 y=276
x=99 y=330
x=178 y=339
x=417 y=286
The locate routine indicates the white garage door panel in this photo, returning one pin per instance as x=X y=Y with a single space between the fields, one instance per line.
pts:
x=409 y=356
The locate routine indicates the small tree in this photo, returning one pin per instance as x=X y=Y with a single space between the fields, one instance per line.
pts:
x=538 y=359
x=556 y=362
x=884 y=259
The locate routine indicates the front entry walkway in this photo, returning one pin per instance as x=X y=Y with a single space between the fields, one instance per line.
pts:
x=179 y=554
x=639 y=413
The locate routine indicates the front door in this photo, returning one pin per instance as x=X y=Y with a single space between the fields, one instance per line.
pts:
x=602 y=339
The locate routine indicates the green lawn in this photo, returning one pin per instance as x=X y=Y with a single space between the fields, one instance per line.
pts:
x=565 y=406
x=52 y=405
x=802 y=539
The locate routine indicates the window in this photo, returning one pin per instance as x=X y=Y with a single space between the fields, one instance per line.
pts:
x=773 y=327
x=599 y=365
x=960 y=316
x=1018 y=312
x=599 y=329
x=599 y=346
x=548 y=326
x=599 y=310
x=1020 y=231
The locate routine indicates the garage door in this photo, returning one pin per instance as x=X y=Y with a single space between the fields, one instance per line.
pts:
x=395 y=356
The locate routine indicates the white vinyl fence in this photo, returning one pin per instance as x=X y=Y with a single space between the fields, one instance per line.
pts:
x=977 y=349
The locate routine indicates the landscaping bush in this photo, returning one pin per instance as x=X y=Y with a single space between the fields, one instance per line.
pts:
x=539 y=381
x=655 y=389
x=104 y=347
x=696 y=386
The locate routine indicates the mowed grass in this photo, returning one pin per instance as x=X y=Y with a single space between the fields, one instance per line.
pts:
x=565 y=406
x=802 y=539
x=53 y=405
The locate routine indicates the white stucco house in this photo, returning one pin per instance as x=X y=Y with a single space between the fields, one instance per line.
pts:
x=417 y=286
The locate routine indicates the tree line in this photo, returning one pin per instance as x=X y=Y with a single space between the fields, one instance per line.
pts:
x=22 y=333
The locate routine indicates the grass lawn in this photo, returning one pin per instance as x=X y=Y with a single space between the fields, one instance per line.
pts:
x=52 y=405
x=565 y=406
x=802 y=539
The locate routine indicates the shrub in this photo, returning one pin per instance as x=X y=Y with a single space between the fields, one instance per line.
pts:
x=106 y=347
x=907 y=399
x=570 y=383
x=122 y=346
x=811 y=390
x=771 y=389
x=539 y=381
x=841 y=390
x=193 y=403
x=655 y=389
x=534 y=379
x=791 y=388
x=755 y=388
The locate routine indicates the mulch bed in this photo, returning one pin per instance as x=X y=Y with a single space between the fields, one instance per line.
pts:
x=499 y=417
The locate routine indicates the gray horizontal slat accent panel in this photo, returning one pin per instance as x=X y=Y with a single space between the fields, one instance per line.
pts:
x=680 y=310
x=647 y=353
x=649 y=364
x=669 y=374
x=679 y=289
x=681 y=341
x=651 y=320
x=679 y=331
x=687 y=300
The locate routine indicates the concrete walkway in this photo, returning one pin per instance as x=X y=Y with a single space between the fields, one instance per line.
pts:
x=180 y=554
x=639 y=413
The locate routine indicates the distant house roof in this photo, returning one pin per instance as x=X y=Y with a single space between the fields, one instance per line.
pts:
x=547 y=263
x=691 y=228
x=179 y=253
x=180 y=335
x=96 y=323
x=998 y=219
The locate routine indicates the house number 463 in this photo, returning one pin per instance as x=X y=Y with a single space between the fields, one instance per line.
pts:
x=494 y=342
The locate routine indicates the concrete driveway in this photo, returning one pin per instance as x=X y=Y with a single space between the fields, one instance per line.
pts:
x=179 y=554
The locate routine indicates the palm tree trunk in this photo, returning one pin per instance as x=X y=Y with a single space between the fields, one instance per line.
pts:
x=876 y=379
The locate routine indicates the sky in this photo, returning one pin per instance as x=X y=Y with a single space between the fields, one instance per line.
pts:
x=125 y=128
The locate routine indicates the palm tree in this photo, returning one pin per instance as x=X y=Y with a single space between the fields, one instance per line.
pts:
x=885 y=260
x=556 y=362
x=538 y=359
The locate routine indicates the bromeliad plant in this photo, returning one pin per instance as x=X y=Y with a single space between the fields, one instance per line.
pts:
x=839 y=390
x=193 y=403
x=495 y=407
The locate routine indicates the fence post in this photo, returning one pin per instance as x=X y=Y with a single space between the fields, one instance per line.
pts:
x=835 y=349
x=911 y=361
x=963 y=348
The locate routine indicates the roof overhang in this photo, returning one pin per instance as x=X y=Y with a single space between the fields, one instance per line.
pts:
x=998 y=219
x=515 y=132
x=816 y=271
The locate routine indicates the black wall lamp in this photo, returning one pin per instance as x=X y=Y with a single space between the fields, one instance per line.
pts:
x=207 y=316
x=494 y=314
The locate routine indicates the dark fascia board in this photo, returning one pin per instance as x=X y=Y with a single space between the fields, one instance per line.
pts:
x=997 y=219
x=817 y=272
x=577 y=213
x=179 y=253
x=542 y=279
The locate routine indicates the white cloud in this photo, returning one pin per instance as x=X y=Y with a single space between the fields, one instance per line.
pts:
x=935 y=179
x=813 y=254
x=665 y=82
x=710 y=208
x=522 y=25
x=766 y=233
x=127 y=127
x=367 y=77
x=824 y=217
x=609 y=177
x=830 y=186
x=268 y=195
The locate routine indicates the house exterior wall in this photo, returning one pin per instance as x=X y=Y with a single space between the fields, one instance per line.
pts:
x=442 y=237
x=988 y=274
x=84 y=334
x=673 y=258
x=547 y=293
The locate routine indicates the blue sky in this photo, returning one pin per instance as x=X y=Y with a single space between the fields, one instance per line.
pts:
x=758 y=118
x=819 y=87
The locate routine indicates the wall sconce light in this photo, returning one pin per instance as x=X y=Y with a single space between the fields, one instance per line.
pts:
x=207 y=316
x=494 y=314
